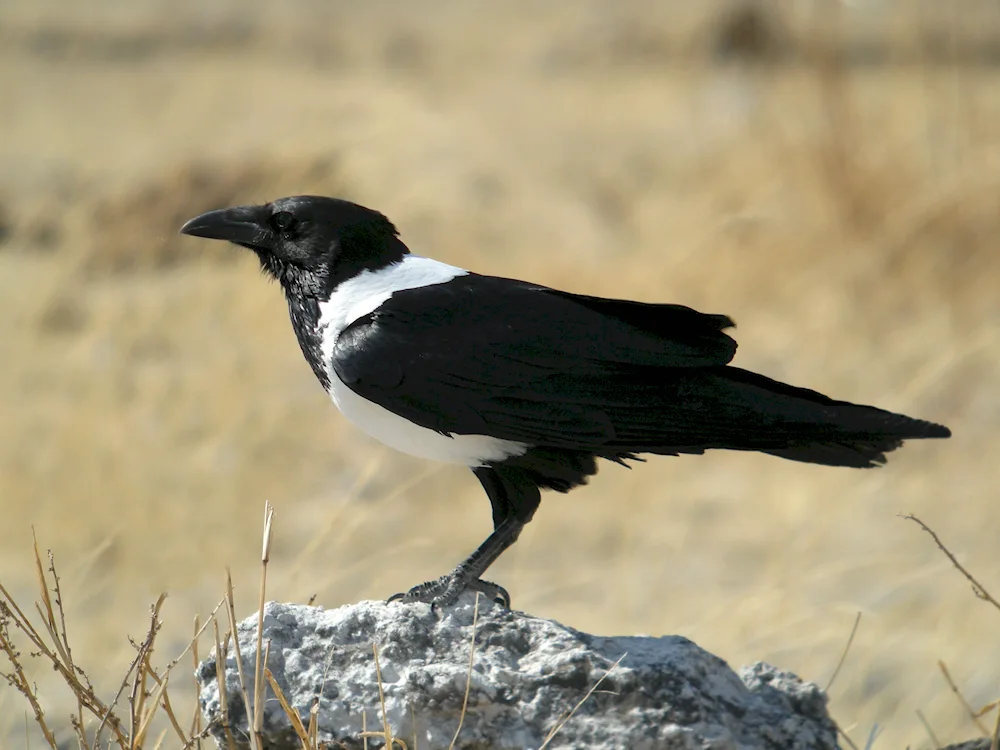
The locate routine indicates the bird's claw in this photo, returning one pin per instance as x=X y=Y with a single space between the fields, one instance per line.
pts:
x=445 y=591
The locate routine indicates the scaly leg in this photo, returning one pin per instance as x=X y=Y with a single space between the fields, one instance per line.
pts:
x=446 y=589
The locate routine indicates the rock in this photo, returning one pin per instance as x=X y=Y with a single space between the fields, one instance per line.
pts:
x=528 y=674
x=982 y=743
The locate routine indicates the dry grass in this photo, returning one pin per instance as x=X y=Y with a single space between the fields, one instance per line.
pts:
x=50 y=645
x=146 y=686
x=843 y=213
x=149 y=705
x=94 y=723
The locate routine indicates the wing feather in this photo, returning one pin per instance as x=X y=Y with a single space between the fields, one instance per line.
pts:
x=483 y=355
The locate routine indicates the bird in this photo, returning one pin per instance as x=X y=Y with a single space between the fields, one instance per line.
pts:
x=526 y=385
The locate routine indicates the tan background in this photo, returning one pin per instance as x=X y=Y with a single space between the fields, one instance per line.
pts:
x=827 y=175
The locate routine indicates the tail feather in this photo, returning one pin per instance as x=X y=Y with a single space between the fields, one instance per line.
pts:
x=734 y=409
x=859 y=454
x=820 y=430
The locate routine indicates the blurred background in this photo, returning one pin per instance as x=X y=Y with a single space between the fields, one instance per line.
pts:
x=824 y=172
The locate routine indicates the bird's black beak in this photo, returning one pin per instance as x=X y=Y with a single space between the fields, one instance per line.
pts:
x=242 y=225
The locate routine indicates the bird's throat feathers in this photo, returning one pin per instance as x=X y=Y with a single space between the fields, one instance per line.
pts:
x=304 y=313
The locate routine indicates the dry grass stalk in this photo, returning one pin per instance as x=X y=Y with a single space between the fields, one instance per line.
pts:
x=139 y=717
x=265 y=556
x=987 y=708
x=562 y=722
x=220 y=678
x=17 y=678
x=314 y=708
x=293 y=716
x=386 y=733
x=836 y=671
x=981 y=593
x=961 y=699
x=146 y=717
x=168 y=708
x=977 y=588
x=267 y=656
x=846 y=737
x=196 y=711
x=468 y=676
x=192 y=646
x=843 y=655
x=255 y=739
x=62 y=642
x=313 y=730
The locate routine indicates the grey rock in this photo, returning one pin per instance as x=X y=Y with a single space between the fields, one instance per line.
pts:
x=982 y=743
x=528 y=674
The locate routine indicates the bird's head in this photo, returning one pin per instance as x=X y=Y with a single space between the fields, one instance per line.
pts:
x=308 y=243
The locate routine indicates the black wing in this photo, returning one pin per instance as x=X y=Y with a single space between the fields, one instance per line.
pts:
x=485 y=355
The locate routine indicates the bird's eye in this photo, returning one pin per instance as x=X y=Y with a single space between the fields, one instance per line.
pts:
x=282 y=222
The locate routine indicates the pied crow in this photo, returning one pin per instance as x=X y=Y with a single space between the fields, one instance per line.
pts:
x=526 y=385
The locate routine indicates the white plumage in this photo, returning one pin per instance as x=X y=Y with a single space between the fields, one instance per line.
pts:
x=361 y=295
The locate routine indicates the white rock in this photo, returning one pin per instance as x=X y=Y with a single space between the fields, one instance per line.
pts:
x=528 y=673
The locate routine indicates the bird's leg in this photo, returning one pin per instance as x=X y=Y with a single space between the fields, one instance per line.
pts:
x=446 y=589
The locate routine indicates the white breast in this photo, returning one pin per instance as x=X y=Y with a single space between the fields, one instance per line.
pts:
x=361 y=295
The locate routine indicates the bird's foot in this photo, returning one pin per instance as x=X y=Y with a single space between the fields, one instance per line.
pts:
x=445 y=591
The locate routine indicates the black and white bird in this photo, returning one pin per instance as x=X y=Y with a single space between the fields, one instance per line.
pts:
x=526 y=385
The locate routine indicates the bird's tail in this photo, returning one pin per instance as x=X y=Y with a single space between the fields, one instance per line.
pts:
x=731 y=408
x=816 y=429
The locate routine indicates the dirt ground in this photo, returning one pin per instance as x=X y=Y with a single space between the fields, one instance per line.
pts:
x=828 y=178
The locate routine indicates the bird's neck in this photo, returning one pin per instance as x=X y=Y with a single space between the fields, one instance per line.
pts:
x=304 y=291
x=304 y=313
x=361 y=253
